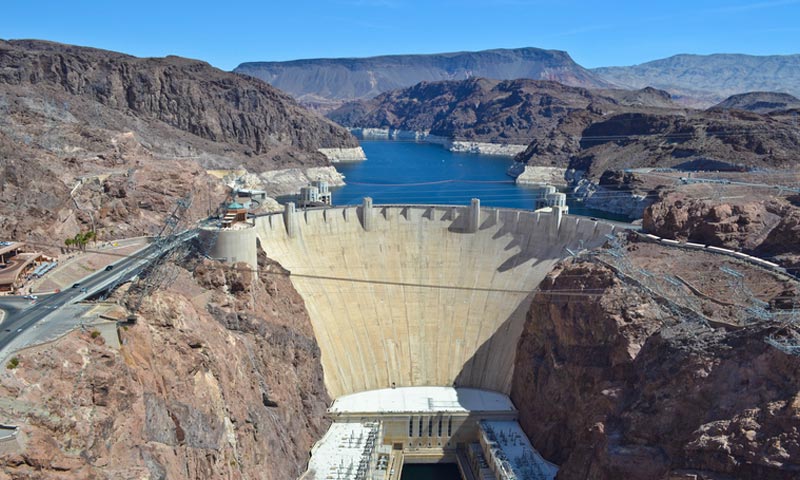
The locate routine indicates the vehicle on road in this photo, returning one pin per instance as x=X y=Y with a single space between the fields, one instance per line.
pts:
x=109 y=268
x=76 y=285
x=30 y=297
x=84 y=290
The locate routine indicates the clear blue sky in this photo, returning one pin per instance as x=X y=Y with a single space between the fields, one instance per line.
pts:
x=226 y=33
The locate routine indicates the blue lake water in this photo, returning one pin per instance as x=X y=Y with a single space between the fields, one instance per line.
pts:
x=411 y=172
x=424 y=173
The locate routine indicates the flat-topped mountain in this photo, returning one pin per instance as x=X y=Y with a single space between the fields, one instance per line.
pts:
x=760 y=102
x=329 y=81
x=708 y=79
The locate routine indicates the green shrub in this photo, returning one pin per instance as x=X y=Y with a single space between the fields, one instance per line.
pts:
x=95 y=333
x=13 y=363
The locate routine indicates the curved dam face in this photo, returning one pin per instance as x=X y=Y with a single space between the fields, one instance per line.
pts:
x=420 y=295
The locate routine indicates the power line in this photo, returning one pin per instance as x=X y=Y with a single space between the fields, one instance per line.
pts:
x=561 y=292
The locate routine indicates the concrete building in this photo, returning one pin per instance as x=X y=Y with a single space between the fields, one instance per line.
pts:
x=16 y=265
x=231 y=238
x=317 y=194
x=250 y=198
x=376 y=432
x=509 y=454
x=548 y=198
x=234 y=213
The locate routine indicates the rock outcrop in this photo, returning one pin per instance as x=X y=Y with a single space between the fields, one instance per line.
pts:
x=219 y=378
x=614 y=380
x=752 y=220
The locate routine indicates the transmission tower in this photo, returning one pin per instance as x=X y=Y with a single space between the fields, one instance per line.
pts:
x=668 y=289
x=166 y=246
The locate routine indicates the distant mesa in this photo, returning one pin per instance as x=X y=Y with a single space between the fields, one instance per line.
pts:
x=326 y=82
x=693 y=80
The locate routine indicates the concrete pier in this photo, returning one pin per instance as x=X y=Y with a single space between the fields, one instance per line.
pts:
x=290 y=219
x=474 y=220
x=367 y=214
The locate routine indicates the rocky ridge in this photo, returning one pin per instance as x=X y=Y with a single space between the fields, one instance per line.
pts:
x=704 y=80
x=480 y=109
x=760 y=102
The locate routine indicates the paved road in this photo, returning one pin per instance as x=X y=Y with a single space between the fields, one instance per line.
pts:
x=19 y=318
x=14 y=305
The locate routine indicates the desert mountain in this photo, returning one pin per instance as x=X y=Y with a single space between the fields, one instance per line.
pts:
x=328 y=82
x=587 y=130
x=704 y=80
x=760 y=102
x=511 y=111
x=135 y=133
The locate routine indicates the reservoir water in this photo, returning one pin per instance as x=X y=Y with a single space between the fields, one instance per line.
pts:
x=424 y=173
x=412 y=172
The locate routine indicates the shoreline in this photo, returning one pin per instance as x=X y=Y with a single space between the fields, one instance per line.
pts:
x=453 y=145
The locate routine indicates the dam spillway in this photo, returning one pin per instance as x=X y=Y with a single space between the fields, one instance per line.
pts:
x=415 y=295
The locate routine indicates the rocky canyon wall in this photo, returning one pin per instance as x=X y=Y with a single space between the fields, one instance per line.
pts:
x=219 y=379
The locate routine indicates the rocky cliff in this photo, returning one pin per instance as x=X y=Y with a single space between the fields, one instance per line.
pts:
x=219 y=378
x=616 y=377
x=91 y=138
x=703 y=80
x=327 y=82
x=211 y=113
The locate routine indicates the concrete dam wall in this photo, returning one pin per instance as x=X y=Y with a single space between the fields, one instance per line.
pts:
x=420 y=295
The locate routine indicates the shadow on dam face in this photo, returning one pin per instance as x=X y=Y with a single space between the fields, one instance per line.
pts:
x=412 y=296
